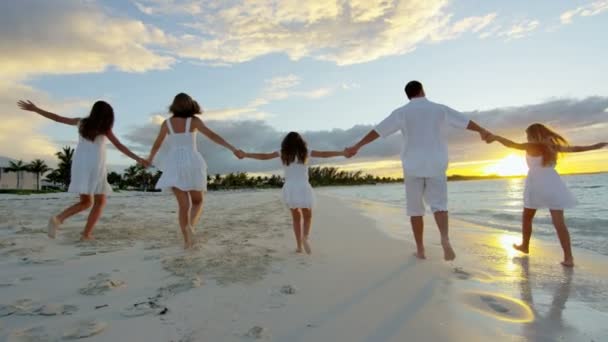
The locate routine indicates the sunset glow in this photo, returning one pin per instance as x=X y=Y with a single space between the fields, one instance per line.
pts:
x=511 y=165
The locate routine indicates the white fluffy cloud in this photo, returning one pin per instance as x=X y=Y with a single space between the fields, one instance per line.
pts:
x=63 y=37
x=520 y=29
x=588 y=10
x=343 y=32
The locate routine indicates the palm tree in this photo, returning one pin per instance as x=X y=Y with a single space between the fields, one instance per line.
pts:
x=17 y=167
x=39 y=167
x=65 y=157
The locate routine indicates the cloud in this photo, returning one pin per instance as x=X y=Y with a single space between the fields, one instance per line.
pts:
x=64 y=37
x=519 y=30
x=20 y=132
x=582 y=121
x=591 y=9
x=160 y=7
x=342 y=32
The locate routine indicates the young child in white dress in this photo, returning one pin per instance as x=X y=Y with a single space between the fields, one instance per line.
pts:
x=544 y=188
x=297 y=192
x=88 y=171
x=184 y=171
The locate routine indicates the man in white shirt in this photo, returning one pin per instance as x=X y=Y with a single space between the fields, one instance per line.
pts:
x=423 y=125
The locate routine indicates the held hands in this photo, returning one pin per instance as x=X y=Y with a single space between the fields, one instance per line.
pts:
x=144 y=162
x=350 y=152
x=27 y=105
x=239 y=154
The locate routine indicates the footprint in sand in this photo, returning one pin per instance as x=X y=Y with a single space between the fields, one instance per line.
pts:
x=100 y=284
x=463 y=274
x=34 y=334
x=84 y=329
x=499 y=306
x=57 y=310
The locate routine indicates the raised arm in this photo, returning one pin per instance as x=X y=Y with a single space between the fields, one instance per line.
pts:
x=30 y=106
x=368 y=138
x=508 y=143
x=199 y=125
x=162 y=133
x=582 y=148
x=327 y=154
x=262 y=156
x=122 y=148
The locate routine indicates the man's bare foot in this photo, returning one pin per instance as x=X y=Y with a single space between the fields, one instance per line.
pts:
x=306 y=246
x=87 y=238
x=52 y=227
x=420 y=255
x=448 y=252
x=567 y=263
x=522 y=248
x=299 y=250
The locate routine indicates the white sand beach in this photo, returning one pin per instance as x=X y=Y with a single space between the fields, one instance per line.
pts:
x=244 y=282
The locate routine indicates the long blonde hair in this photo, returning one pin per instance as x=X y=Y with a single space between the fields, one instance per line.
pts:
x=549 y=141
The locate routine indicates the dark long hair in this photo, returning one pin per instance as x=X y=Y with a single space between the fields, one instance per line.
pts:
x=549 y=140
x=293 y=148
x=99 y=121
x=184 y=106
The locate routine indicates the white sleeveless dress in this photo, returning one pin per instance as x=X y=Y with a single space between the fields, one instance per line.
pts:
x=544 y=187
x=297 y=192
x=183 y=166
x=89 y=174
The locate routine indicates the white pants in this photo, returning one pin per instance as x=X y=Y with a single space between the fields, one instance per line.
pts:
x=432 y=190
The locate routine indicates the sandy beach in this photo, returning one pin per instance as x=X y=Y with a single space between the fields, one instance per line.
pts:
x=244 y=282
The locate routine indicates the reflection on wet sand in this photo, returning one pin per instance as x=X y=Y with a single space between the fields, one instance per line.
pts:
x=551 y=325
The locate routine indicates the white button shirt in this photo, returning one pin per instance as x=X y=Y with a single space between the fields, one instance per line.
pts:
x=423 y=125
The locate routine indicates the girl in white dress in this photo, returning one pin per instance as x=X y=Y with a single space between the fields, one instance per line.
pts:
x=184 y=171
x=297 y=192
x=88 y=171
x=544 y=187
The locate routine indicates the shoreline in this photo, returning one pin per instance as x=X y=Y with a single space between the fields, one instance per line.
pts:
x=245 y=283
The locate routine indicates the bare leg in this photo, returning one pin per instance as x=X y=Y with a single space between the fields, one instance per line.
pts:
x=183 y=203
x=418 y=229
x=526 y=230
x=297 y=228
x=197 y=207
x=307 y=214
x=564 y=236
x=98 y=205
x=441 y=218
x=56 y=221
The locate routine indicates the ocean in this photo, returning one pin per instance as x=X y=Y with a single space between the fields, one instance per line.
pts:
x=498 y=204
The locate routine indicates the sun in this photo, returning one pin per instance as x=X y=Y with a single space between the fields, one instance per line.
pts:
x=511 y=165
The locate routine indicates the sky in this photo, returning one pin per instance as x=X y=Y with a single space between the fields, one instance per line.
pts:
x=328 y=69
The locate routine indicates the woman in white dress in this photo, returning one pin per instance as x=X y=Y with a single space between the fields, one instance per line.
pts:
x=544 y=187
x=297 y=192
x=88 y=173
x=184 y=171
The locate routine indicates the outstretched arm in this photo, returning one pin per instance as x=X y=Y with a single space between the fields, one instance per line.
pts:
x=122 y=148
x=30 y=106
x=582 y=148
x=508 y=143
x=262 y=156
x=198 y=124
x=473 y=126
x=162 y=133
x=371 y=136
x=327 y=154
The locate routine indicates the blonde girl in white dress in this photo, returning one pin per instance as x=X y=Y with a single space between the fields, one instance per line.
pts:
x=297 y=192
x=88 y=173
x=184 y=171
x=544 y=187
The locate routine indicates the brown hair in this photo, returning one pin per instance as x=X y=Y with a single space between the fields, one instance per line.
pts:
x=549 y=142
x=184 y=106
x=99 y=121
x=292 y=148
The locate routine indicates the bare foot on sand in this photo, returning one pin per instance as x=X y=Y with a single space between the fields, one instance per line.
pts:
x=306 y=246
x=299 y=250
x=448 y=252
x=191 y=236
x=522 y=248
x=567 y=263
x=53 y=226
x=87 y=238
x=420 y=254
